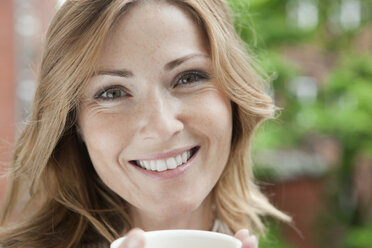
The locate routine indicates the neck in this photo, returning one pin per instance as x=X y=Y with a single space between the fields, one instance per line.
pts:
x=199 y=219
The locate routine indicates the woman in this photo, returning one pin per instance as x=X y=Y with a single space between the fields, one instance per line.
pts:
x=142 y=119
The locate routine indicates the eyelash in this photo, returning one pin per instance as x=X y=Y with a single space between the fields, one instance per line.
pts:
x=123 y=93
x=200 y=76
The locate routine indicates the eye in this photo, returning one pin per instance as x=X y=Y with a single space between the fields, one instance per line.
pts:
x=111 y=93
x=190 y=77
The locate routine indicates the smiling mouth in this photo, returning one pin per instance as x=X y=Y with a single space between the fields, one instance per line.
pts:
x=166 y=164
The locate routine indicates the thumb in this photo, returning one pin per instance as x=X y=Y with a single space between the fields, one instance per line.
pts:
x=134 y=239
x=248 y=241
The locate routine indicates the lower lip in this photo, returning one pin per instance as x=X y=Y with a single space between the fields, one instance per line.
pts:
x=170 y=173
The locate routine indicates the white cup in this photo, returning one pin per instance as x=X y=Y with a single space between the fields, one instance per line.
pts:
x=185 y=239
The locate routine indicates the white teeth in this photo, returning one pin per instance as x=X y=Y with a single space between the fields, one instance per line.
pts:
x=179 y=159
x=171 y=163
x=184 y=157
x=153 y=165
x=162 y=165
x=147 y=164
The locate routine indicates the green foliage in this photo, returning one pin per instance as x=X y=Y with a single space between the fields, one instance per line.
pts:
x=255 y=20
x=273 y=238
x=343 y=105
x=345 y=108
x=359 y=237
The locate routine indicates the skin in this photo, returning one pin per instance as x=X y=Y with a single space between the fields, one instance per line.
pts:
x=151 y=108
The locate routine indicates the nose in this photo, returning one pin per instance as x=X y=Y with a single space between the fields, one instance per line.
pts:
x=162 y=118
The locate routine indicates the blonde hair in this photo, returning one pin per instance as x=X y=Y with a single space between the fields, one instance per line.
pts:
x=66 y=203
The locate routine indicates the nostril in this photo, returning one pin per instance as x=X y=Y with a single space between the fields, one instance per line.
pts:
x=161 y=126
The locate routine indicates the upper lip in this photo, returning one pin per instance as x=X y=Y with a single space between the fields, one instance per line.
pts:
x=166 y=155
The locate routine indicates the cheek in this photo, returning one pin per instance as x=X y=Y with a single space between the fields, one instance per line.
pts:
x=212 y=122
x=213 y=115
x=104 y=136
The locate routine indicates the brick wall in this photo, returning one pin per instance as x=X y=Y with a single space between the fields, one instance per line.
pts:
x=7 y=85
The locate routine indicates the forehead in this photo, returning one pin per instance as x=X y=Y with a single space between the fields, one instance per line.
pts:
x=146 y=12
x=151 y=25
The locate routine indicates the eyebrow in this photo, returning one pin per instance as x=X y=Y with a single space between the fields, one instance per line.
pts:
x=174 y=63
x=116 y=73
x=169 y=66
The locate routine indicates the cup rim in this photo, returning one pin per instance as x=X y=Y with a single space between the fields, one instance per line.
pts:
x=176 y=232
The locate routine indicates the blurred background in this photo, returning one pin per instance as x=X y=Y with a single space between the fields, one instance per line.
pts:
x=314 y=160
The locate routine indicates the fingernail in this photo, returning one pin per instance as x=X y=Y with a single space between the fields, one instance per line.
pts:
x=132 y=242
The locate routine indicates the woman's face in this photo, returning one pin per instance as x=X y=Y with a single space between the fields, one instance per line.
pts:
x=156 y=126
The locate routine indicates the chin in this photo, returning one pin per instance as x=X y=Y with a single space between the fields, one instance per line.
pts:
x=179 y=207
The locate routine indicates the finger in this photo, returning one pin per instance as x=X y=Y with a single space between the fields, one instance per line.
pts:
x=134 y=239
x=248 y=241
x=242 y=234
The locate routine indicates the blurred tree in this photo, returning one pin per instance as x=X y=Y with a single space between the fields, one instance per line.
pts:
x=317 y=54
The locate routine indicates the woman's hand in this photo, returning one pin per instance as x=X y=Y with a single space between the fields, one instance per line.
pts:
x=134 y=239
x=249 y=241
